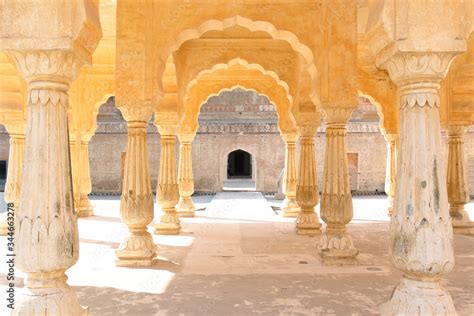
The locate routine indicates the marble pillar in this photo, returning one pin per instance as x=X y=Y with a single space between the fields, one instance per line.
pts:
x=421 y=235
x=307 y=192
x=336 y=245
x=15 y=164
x=185 y=207
x=136 y=203
x=458 y=193
x=290 y=177
x=167 y=192
x=46 y=236
x=391 y=170
x=81 y=178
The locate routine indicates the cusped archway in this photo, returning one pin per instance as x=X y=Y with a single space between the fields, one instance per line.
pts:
x=237 y=74
x=203 y=26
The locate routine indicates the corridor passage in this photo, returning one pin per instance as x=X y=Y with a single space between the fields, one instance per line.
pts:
x=239 y=257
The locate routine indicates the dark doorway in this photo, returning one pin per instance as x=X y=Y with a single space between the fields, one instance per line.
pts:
x=239 y=165
x=3 y=174
x=3 y=170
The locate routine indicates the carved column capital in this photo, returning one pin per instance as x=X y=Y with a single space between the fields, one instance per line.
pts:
x=418 y=68
x=136 y=113
x=186 y=138
x=290 y=137
x=308 y=130
x=167 y=129
x=337 y=115
x=47 y=65
x=456 y=130
x=418 y=76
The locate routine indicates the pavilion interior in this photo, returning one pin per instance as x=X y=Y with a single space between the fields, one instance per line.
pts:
x=306 y=246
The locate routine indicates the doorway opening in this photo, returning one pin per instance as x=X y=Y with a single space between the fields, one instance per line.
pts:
x=3 y=174
x=239 y=165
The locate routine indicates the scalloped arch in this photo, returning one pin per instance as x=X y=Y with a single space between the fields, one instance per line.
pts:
x=286 y=119
x=243 y=63
x=282 y=127
x=379 y=108
x=253 y=26
x=95 y=110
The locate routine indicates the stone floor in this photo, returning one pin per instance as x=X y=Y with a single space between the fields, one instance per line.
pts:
x=239 y=257
x=239 y=185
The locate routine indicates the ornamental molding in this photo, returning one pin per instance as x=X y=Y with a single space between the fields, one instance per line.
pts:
x=63 y=66
x=416 y=67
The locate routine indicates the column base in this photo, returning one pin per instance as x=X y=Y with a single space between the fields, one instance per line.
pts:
x=418 y=298
x=84 y=209
x=49 y=297
x=169 y=224
x=462 y=224
x=137 y=250
x=290 y=208
x=336 y=248
x=308 y=223
x=185 y=207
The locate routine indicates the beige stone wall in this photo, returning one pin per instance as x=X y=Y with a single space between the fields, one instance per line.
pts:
x=4 y=146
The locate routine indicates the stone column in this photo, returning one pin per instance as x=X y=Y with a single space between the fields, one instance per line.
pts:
x=336 y=246
x=290 y=177
x=458 y=193
x=307 y=192
x=391 y=170
x=15 y=163
x=82 y=184
x=136 y=203
x=46 y=236
x=421 y=232
x=167 y=192
x=185 y=207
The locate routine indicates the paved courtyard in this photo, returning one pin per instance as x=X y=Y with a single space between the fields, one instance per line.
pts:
x=239 y=257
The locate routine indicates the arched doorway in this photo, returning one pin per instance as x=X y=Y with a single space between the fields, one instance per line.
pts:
x=239 y=165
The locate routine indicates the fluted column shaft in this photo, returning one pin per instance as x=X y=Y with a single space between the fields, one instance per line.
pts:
x=307 y=193
x=15 y=163
x=290 y=176
x=46 y=236
x=167 y=192
x=391 y=171
x=421 y=233
x=185 y=207
x=136 y=203
x=458 y=193
x=82 y=184
x=336 y=246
